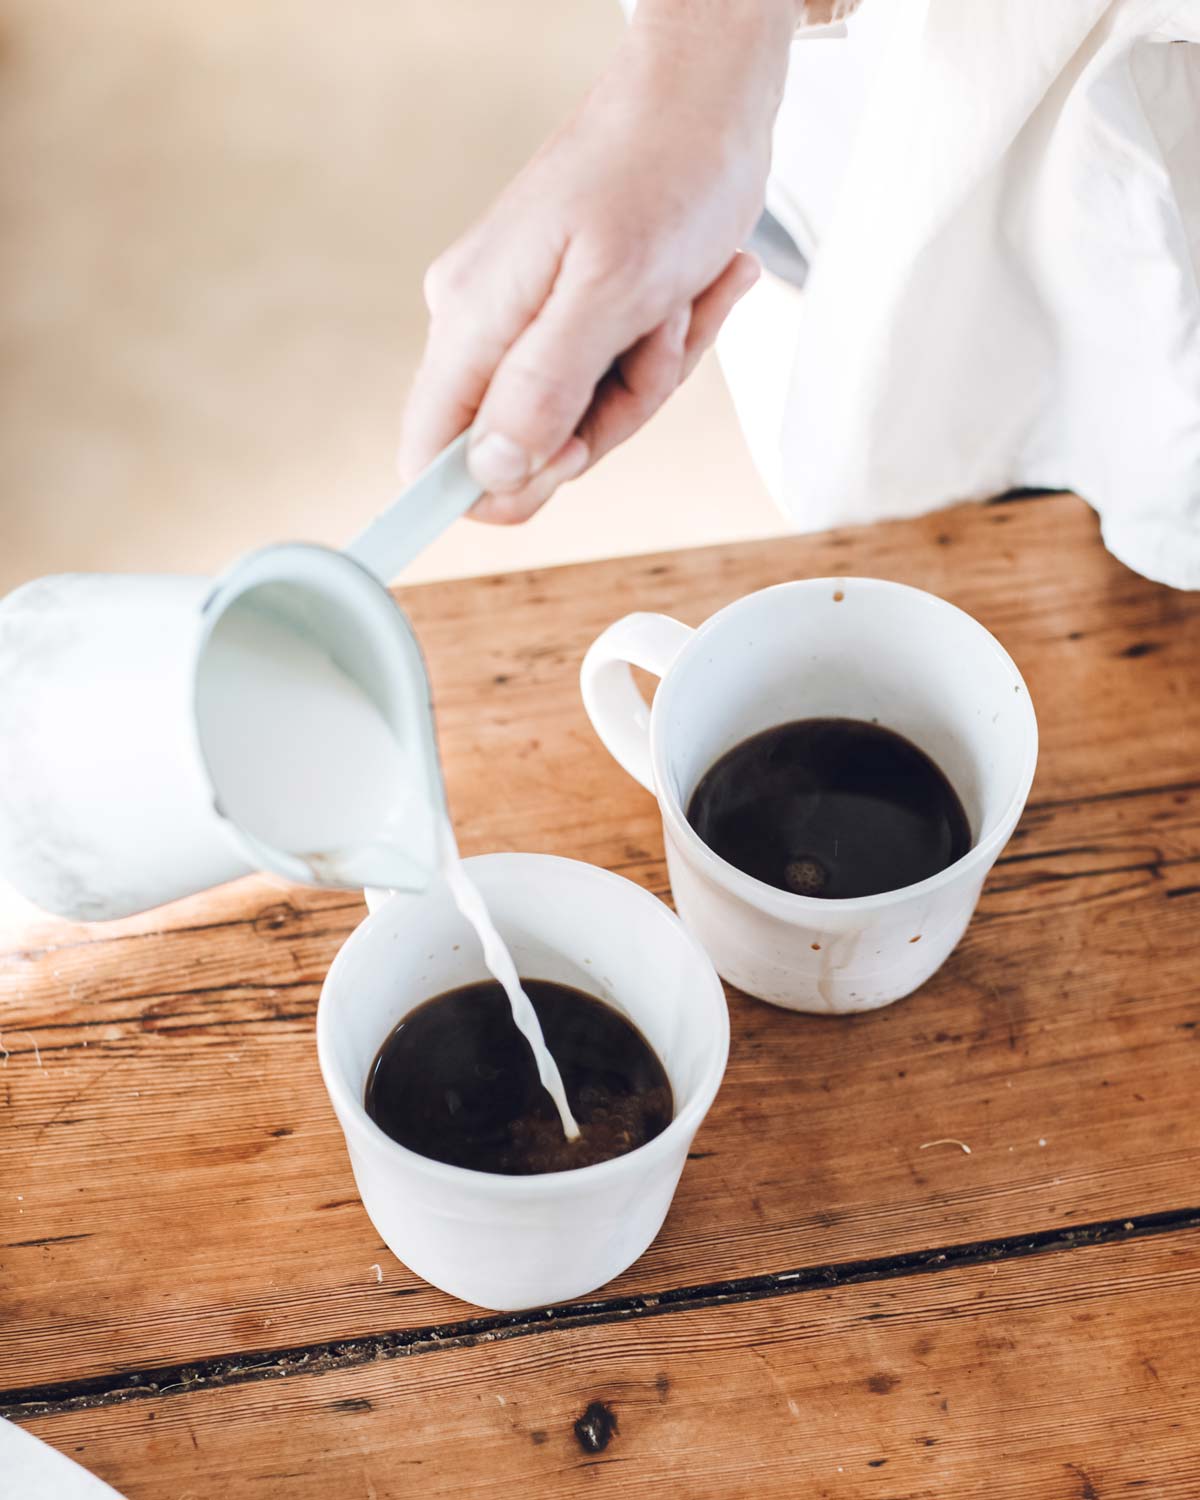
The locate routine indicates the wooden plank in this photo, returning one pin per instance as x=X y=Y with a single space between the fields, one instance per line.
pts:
x=1111 y=660
x=173 y=1185
x=1072 y=1376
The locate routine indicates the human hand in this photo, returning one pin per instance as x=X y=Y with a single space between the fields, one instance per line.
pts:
x=563 y=319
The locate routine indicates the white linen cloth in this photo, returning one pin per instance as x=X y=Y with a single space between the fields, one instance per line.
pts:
x=1001 y=202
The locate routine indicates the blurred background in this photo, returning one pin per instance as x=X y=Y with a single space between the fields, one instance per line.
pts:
x=216 y=221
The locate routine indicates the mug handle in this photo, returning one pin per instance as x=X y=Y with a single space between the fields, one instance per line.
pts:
x=619 y=713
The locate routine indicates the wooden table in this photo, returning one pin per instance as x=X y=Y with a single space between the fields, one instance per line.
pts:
x=194 y=1303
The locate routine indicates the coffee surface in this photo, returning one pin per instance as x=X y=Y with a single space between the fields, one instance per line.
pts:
x=832 y=808
x=457 y=1082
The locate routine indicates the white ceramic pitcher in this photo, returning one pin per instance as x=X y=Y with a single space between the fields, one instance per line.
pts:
x=108 y=805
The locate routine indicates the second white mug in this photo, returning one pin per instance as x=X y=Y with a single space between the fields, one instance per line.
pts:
x=857 y=648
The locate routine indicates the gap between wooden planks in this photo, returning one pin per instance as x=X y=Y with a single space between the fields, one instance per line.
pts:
x=174 y=1187
x=1071 y=1375
x=93 y=1392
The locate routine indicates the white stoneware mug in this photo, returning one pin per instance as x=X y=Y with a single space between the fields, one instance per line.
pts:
x=513 y=1242
x=821 y=647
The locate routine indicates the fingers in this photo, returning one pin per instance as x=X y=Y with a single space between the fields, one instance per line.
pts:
x=446 y=391
x=644 y=378
x=518 y=505
x=478 y=305
x=629 y=395
x=715 y=303
x=532 y=375
x=638 y=384
x=546 y=381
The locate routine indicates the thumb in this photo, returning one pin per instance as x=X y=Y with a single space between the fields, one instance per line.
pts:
x=544 y=385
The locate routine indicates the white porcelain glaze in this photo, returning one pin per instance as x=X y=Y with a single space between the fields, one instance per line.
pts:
x=513 y=1242
x=107 y=806
x=855 y=647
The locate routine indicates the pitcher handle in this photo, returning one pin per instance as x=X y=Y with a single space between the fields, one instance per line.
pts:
x=619 y=713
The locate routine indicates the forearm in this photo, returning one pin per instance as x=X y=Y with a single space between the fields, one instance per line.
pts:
x=715 y=60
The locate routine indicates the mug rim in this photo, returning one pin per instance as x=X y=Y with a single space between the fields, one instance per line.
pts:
x=788 y=905
x=351 y=1112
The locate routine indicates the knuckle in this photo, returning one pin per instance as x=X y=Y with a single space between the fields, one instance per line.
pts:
x=651 y=378
x=646 y=398
x=550 y=401
x=598 y=256
x=648 y=403
x=660 y=390
x=629 y=264
x=447 y=280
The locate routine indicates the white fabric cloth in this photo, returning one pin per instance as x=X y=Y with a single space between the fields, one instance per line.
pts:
x=1001 y=199
x=32 y=1470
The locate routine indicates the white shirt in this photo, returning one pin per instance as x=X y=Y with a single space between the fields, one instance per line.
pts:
x=1001 y=202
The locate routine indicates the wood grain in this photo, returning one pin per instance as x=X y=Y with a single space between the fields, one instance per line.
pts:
x=1064 y=1377
x=173 y=1186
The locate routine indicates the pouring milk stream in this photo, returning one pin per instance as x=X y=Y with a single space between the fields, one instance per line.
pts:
x=159 y=736
x=302 y=759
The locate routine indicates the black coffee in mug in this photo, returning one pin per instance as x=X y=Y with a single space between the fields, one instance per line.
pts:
x=832 y=808
x=456 y=1081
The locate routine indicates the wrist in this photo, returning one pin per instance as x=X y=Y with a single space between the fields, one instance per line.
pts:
x=745 y=18
x=728 y=57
